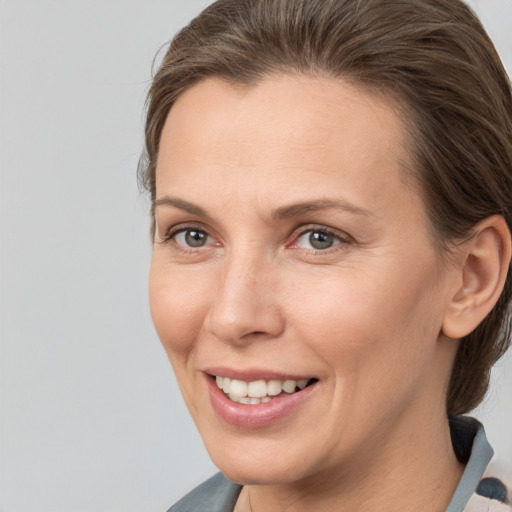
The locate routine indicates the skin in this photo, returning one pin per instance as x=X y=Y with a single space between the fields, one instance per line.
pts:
x=365 y=316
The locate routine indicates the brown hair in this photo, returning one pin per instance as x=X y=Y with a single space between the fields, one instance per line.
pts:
x=433 y=55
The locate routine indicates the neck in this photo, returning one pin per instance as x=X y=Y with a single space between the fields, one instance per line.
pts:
x=416 y=470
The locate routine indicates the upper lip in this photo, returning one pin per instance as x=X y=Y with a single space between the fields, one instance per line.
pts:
x=252 y=374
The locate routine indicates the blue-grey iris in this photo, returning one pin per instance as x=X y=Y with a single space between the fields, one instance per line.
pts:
x=320 y=240
x=195 y=238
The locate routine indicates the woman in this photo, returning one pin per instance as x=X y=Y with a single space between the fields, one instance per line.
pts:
x=331 y=183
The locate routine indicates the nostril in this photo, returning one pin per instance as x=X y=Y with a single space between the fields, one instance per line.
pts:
x=257 y=334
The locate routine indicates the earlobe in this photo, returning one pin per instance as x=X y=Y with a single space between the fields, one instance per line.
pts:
x=483 y=269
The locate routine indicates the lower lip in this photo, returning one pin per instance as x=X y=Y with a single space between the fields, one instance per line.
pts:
x=259 y=415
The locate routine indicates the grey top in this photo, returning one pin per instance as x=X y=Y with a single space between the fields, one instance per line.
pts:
x=480 y=454
x=218 y=494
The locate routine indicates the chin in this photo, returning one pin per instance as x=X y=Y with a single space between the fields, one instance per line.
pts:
x=245 y=472
x=260 y=463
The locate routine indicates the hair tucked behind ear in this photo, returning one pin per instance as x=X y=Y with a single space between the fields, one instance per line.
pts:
x=433 y=55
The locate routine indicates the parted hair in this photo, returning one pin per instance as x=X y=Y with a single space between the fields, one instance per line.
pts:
x=432 y=56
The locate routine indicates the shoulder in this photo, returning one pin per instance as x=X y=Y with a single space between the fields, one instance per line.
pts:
x=217 y=494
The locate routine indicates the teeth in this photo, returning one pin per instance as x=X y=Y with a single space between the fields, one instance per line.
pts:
x=258 y=391
x=274 y=387
x=226 y=385
x=301 y=384
x=238 y=388
x=289 y=386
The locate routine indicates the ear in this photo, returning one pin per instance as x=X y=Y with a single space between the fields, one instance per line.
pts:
x=483 y=270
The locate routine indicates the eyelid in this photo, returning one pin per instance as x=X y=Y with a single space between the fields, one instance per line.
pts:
x=341 y=236
x=171 y=233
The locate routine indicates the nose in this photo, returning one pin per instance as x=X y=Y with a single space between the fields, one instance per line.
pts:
x=246 y=303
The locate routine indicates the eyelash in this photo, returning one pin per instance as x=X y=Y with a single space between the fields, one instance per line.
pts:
x=342 y=238
x=171 y=234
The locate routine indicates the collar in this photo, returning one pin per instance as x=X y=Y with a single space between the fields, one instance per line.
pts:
x=471 y=448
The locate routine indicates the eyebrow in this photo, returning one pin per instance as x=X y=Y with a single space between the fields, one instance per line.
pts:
x=284 y=212
x=294 y=210
x=181 y=205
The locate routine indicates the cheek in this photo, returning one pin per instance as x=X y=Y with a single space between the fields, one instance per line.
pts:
x=177 y=308
x=379 y=323
x=377 y=347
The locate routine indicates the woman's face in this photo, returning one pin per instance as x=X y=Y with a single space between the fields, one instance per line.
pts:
x=292 y=246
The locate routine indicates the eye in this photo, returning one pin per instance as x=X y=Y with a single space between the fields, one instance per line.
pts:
x=191 y=238
x=188 y=238
x=318 y=240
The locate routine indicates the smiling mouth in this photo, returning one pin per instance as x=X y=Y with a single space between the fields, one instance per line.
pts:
x=259 y=391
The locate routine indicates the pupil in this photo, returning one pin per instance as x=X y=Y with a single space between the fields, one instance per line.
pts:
x=321 y=240
x=195 y=238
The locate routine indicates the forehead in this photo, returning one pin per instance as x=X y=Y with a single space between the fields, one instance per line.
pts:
x=301 y=108
x=298 y=131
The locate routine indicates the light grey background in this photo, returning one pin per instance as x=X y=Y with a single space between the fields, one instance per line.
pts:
x=90 y=415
